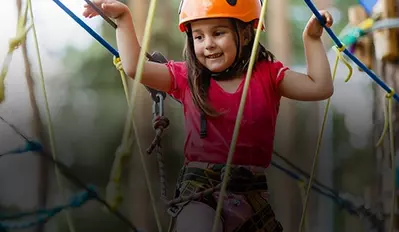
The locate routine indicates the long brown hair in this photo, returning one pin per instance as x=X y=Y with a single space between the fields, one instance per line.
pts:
x=199 y=77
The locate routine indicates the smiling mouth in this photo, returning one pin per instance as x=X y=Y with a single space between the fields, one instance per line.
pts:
x=214 y=56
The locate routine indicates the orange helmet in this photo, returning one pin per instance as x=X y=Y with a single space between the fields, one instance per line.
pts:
x=244 y=10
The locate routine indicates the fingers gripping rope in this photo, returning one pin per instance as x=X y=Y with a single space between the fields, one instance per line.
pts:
x=14 y=44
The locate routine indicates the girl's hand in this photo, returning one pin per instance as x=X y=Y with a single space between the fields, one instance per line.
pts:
x=314 y=29
x=111 y=8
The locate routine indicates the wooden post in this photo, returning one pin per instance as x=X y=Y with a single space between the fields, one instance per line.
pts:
x=388 y=72
x=387 y=53
x=363 y=49
x=386 y=41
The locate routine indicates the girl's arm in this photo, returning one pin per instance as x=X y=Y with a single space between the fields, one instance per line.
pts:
x=317 y=84
x=155 y=75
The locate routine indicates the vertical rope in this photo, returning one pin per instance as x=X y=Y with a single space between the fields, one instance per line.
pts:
x=130 y=121
x=392 y=148
x=388 y=125
x=339 y=56
x=49 y=121
x=239 y=117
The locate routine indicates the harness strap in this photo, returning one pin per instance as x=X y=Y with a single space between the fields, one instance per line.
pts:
x=241 y=180
x=193 y=180
x=263 y=219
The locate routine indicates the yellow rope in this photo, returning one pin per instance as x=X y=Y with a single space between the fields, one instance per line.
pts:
x=239 y=117
x=302 y=191
x=130 y=124
x=388 y=125
x=118 y=64
x=320 y=136
x=14 y=44
x=114 y=194
x=49 y=121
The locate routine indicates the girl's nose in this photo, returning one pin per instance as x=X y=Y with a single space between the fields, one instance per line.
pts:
x=209 y=43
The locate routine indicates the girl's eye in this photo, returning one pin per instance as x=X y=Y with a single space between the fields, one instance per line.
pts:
x=198 y=37
x=218 y=33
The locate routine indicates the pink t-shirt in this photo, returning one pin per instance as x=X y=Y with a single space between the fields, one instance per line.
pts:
x=255 y=141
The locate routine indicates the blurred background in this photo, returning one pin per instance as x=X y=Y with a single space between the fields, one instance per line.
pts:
x=88 y=109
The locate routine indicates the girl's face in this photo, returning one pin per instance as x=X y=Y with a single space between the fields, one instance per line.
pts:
x=214 y=43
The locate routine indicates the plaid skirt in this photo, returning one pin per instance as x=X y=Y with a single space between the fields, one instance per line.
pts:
x=246 y=207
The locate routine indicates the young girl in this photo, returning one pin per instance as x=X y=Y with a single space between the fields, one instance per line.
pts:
x=209 y=84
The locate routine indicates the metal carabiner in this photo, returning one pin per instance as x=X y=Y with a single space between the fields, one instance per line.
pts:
x=158 y=106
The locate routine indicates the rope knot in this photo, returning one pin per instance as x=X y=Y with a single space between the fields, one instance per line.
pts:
x=341 y=49
x=160 y=123
x=118 y=63
x=22 y=30
x=390 y=94
x=79 y=199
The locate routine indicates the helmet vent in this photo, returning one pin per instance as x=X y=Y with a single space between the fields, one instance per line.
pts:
x=232 y=2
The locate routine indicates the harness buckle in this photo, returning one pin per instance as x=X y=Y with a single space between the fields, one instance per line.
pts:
x=175 y=209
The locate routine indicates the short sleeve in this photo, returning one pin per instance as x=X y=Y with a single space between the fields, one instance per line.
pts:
x=178 y=73
x=278 y=70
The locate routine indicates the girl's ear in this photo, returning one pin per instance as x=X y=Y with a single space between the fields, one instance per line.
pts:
x=247 y=34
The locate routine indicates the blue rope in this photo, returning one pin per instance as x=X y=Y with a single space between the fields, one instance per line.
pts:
x=350 y=55
x=30 y=146
x=342 y=203
x=43 y=215
x=308 y=2
x=87 y=28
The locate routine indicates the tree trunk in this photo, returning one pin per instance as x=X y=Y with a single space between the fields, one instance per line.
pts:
x=386 y=53
x=37 y=128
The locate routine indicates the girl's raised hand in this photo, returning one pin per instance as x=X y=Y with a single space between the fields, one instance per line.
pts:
x=111 y=8
x=314 y=29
